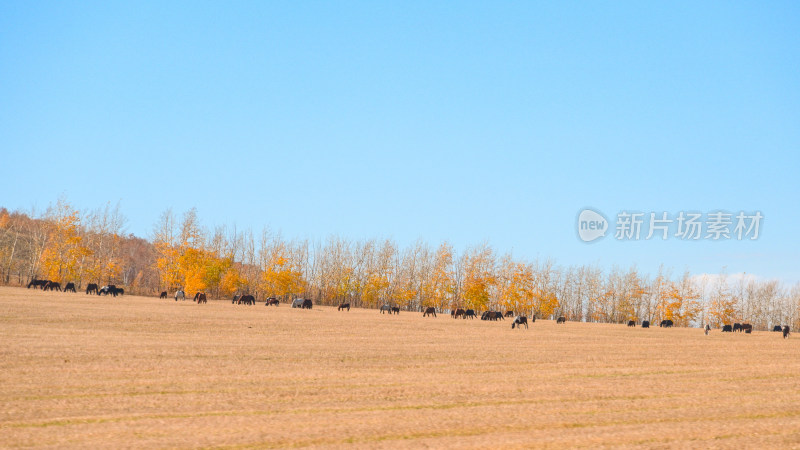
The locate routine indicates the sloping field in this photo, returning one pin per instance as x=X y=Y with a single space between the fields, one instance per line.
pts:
x=95 y=372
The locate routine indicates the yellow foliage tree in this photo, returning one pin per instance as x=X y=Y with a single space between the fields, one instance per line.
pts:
x=546 y=304
x=438 y=288
x=64 y=249
x=479 y=277
x=722 y=307
x=280 y=274
x=231 y=280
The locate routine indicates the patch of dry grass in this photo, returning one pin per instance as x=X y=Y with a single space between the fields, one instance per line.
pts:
x=88 y=371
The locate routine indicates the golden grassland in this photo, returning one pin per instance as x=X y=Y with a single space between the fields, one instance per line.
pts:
x=87 y=371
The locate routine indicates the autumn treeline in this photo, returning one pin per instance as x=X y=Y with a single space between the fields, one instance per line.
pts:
x=64 y=244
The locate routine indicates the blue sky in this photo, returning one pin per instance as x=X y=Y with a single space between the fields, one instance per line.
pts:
x=460 y=121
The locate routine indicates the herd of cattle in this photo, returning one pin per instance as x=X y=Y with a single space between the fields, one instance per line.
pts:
x=91 y=288
x=518 y=322
x=246 y=299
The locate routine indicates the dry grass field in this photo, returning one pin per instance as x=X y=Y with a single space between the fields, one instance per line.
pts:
x=95 y=372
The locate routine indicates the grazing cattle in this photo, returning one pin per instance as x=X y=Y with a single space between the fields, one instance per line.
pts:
x=69 y=287
x=737 y=327
x=666 y=323
x=456 y=313
x=201 y=298
x=307 y=304
x=509 y=313
x=163 y=294
x=492 y=315
x=92 y=287
x=235 y=298
x=272 y=301
x=747 y=328
x=297 y=303
x=645 y=324
x=344 y=306
x=108 y=289
x=112 y=290
x=386 y=309
x=727 y=329
x=777 y=328
x=52 y=286
x=707 y=329
x=631 y=323
x=395 y=310
x=247 y=300
x=469 y=313
x=196 y=294
x=179 y=294
x=786 y=331
x=519 y=321
x=430 y=311
x=561 y=319
x=38 y=283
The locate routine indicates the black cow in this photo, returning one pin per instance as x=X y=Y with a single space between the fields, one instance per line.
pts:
x=469 y=313
x=786 y=331
x=727 y=329
x=666 y=323
x=163 y=294
x=491 y=315
x=119 y=291
x=272 y=301
x=246 y=300
x=747 y=328
x=344 y=306
x=38 y=283
x=52 y=286
x=307 y=304
x=430 y=311
x=645 y=324
x=737 y=327
x=631 y=323
x=109 y=290
x=92 y=288
x=395 y=310
x=777 y=328
x=456 y=313
x=519 y=321
x=196 y=294
x=561 y=319
x=386 y=309
x=69 y=287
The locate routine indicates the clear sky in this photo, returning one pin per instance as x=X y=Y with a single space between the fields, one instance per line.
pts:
x=454 y=120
